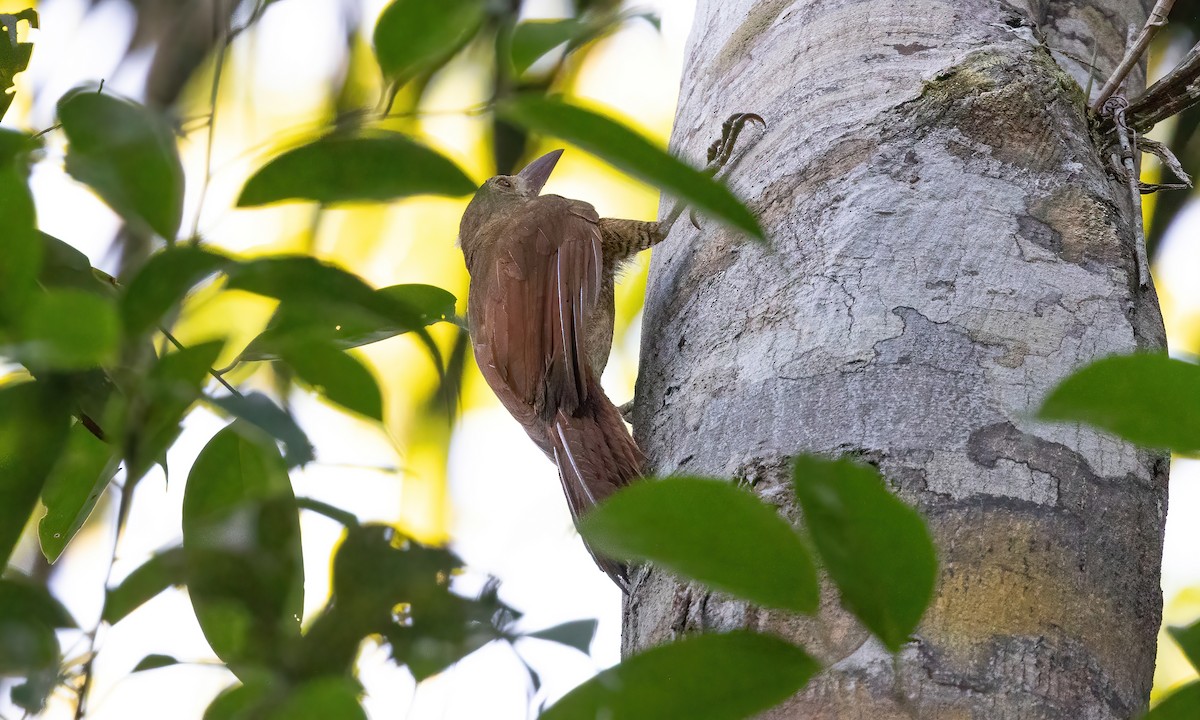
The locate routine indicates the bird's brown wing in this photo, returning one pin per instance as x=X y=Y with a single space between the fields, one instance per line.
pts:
x=538 y=297
x=530 y=313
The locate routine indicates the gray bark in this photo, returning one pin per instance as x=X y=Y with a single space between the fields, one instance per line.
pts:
x=947 y=246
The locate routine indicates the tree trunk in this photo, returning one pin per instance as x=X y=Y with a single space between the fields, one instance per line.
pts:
x=948 y=245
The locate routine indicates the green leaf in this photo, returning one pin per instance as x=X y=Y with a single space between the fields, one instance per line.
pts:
x=710 y=531
x=171 y=387
x=128 y=155
x=28 y=616
x=876 y=549
x=321 y=699
x=22 y=597
x=347 y=327
x=243 y=702
x=69 y=330
x=153 y=662
x=576 y=633
x=387 y=584
x=373 y=168
x=78 y=480
x=262 y=412
x=1188 y=639
x=22 y=252
x=305 y=281
x=14 y=56
x=165 y=569
x=1181 y=704
x=241 y=539
x=733 y=675
x=416 y=36
x=163 y=282
x=33 y=429
x=1151 y=400
x=65 y=267
x=31 y=695
x=338 y=376
x=628 y=151
x=534 y=38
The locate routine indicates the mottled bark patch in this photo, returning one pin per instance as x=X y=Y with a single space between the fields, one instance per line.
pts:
x=1001 y=104
x=1079 y=228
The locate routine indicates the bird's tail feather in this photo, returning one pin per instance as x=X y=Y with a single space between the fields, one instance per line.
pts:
x=596 y=456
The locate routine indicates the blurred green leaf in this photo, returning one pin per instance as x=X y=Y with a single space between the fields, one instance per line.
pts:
x=22 y=252
x=34 y=420
x=26 y=646
x=1181 y=704
x=576 y=633
x=717 y=676
x=304 y=281
x=243 y=702
x=626 y=150
x=65 y=267
x=710 y=531
x=320 y=699
x=14 y=56
x=154 y=662
x=24 y=598
x=172 y=385
x=876 y=549
x=336 y=375
x=534 y=38
x=336 y=169
x=385 y=583
x=1151 y=400
x=345 y=326
x=128 y=155
x=164 y=569
x=241 y=539
x=262 y=412
x=163 y=282
x=415 y=36
x=1188 y=639
x=75 y=484
x=31 y=695
x=28 y=616
x=69 y=330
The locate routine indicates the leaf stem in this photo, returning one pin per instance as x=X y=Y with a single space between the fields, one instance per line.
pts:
x=218 y=374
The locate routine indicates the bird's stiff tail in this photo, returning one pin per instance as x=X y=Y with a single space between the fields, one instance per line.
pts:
x=596 y=456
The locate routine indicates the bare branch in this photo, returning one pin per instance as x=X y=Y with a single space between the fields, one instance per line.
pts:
x=1116 y=108
x=1173 y=93
x=1157 y=19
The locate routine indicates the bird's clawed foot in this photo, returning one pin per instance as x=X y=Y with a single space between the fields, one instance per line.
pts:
x=626 y=411
x=722 y=148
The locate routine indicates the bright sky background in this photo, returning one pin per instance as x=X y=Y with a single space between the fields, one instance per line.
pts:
x=504 y=510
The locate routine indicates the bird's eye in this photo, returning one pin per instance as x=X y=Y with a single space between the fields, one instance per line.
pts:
x=504 y=182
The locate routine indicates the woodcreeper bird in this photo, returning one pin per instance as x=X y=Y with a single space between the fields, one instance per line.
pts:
x=540 y=315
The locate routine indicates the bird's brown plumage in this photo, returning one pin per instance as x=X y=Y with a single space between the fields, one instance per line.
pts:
x=540 y=317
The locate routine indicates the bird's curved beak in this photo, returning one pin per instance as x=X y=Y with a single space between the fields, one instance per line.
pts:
x=538 y=172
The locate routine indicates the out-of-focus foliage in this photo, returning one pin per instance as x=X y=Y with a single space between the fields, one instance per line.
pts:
x=1151 y=400
x=14 y=55
x=717 y=676
x=711 y=531
x=108 y=383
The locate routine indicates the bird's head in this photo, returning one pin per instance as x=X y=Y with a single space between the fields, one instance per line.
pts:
x=501 y=192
